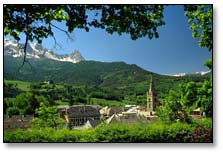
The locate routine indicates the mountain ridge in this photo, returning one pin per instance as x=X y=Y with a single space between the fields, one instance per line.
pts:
x=37 y=51
x=125 y=78
x=117 y=76
x=199 y=73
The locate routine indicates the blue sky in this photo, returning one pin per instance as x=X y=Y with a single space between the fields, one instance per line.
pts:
x=175 y=51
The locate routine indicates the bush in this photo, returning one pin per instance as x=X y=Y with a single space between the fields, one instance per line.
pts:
x=202 y=134
x=204 y=122
x=113 y=133
x=12 y=111
x=155 y=132
x=81 y=100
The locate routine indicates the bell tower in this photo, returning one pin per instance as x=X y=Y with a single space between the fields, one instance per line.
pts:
x=152 y=99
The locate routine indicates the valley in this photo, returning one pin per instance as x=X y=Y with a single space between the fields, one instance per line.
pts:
x=118 y=77
x=116 y=92
x=83 y=94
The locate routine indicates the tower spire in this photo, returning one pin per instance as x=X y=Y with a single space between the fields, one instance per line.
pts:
x=152 y=99
x=151 y=84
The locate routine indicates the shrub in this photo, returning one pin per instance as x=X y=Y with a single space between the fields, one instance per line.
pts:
x=205 y=122
x=12 y=111
x=202 y=134
x=154 y=132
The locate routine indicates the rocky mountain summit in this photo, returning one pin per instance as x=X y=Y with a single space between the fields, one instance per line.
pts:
x=37 y=51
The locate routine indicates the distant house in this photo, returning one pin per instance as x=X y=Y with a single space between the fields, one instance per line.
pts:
x=127 y=118
x=196 y=114
x=79 y=115
x=49 y=82
x=89 y=124
x=127 y=107
x=109 y=111
x=17 y=122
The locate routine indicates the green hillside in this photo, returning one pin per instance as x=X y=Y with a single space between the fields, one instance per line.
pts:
x=120 y=77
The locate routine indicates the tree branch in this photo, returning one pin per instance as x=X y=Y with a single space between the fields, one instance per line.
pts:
x=24 y=57
x=25 y=47
x=66 y=32
x=55 y=43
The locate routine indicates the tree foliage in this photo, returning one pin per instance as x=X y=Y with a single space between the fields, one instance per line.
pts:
x=23 y=104
x=168 y=111
x=12 y=111
x=200 y=20
x=178 y=105
x=188 y=96
x=11 y=90
x=47 y=117
x=37 y=21
x=197 y=95
x=205 y=101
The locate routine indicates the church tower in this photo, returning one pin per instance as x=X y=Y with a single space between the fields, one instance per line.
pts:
x=152 y=99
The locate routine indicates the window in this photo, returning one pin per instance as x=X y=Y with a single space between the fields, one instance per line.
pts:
x=126 y=116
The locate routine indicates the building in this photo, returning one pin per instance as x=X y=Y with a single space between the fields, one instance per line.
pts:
x=17 y=122
x=79 y=115
x=109 y=111
x=89 y=124
x=196 y=114
x=152 y=98
x=49 y=82
x=127 y=118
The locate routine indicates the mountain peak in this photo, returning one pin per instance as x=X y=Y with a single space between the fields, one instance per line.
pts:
x=200 y=73
x=76 y=55
x=36 y=50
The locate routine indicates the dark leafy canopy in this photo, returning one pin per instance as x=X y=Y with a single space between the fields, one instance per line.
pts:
x=178 y=105
x=200 y=20
x=36 y=21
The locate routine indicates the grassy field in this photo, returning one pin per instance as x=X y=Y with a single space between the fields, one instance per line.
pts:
x=20 y=84
x=25 y=86
x=96 y=101
x=104 y=102
x=59 y=102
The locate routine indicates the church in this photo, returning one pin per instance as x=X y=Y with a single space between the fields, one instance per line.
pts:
x=136 y=116
x=152 y=99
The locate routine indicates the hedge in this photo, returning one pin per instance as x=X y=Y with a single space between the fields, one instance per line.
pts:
x=156 y=132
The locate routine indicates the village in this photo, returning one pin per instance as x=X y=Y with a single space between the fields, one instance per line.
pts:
x=90 y=116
